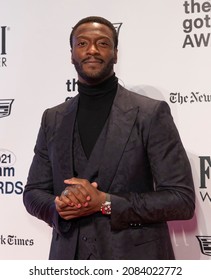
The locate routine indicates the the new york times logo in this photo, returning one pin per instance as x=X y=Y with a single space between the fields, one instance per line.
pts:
x=72 y=84
x=205 y=165
x=3 y=46
x=197 y=24
x=192 y=97
x=13 y=240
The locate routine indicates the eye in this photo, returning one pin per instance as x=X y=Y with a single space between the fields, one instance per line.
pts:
x=82 y=43
x=103 y=43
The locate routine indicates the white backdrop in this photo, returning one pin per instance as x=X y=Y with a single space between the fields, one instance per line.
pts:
x=164 y=48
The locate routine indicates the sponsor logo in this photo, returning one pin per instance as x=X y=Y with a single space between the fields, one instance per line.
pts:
x=3 y=40
x=71 y=85
x=205 y=244
x=3 y=46
x=13 y=240
x=5 y=107
x=117 y=27
x=205 y=165
x=192 y=98
x=8 y=183
x=197 y=23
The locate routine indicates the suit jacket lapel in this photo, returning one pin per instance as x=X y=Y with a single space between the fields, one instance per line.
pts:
x=121 y=121
x=64 y=138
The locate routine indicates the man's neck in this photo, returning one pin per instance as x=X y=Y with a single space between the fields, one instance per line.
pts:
x=94 y=82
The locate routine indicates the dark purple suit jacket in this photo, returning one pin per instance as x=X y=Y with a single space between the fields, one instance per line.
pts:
x=144 y=167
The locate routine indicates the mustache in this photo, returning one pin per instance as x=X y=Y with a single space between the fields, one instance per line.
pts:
x=92 y=58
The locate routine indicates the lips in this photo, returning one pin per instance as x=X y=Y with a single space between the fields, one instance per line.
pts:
x=91 y=60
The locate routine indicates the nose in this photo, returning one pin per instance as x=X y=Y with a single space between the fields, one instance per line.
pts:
x=92 y=49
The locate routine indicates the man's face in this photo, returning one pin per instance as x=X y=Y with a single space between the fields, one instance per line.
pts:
x=93 y=52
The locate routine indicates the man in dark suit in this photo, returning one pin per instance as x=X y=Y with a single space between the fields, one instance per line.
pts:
x=109 y=168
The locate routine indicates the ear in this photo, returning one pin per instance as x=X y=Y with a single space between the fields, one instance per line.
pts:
x=71 y=56
x=115 y=55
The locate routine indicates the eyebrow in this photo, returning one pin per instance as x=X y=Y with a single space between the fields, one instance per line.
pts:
x=98 y=38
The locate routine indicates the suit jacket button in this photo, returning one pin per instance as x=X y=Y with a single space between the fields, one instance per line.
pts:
x=84 y=238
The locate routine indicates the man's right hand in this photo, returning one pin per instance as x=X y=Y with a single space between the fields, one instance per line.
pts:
x=80 y=198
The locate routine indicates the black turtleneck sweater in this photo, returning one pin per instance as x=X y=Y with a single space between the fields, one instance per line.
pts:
x=93 y=110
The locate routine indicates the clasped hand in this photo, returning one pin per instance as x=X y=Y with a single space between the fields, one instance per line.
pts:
x=80 y=198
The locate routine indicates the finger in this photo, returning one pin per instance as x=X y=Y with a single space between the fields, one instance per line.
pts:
x=82 y=184
x=69 y=181
x=80 y=194
x=65 y=197
x=75 y=197
x=76 y=181
x=70 y=213
x=74 y=213
x=59 y=203
x=94 y=184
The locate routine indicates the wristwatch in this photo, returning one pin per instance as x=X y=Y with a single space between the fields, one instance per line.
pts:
x=106 y=206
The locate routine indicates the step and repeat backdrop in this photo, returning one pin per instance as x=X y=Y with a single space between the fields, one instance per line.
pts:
x=164 y=49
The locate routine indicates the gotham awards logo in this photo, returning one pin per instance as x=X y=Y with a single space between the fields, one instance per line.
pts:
x=197 y=24
x=9 y=184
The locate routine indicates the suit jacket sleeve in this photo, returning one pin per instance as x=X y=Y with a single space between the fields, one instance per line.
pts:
x=38 y=196
x=173 y=197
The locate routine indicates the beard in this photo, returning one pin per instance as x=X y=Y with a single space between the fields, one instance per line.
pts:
x=94 y=76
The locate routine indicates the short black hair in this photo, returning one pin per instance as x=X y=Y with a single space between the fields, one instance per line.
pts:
x=98 y=20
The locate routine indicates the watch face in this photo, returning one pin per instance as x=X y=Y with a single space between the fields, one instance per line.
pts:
x=106 y=208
